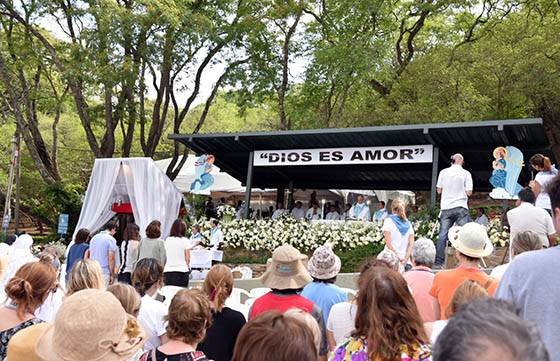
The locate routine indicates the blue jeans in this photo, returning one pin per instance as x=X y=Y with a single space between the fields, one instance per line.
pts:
x=449 y=217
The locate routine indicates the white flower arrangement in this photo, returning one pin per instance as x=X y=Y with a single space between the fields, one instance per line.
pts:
x=225 y=210
x=257 y=235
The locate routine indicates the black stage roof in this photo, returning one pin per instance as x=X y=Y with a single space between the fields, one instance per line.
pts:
x=475 y=140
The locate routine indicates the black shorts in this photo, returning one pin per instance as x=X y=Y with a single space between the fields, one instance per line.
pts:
x=180 y=279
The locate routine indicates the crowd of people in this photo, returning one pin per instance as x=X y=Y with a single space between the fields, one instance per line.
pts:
x=109 y=305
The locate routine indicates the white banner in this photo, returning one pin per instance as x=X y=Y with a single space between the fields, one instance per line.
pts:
x=329 y=156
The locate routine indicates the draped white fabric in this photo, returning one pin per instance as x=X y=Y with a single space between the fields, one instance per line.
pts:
x=152 y=194
x=137 y=180
x=96 y=209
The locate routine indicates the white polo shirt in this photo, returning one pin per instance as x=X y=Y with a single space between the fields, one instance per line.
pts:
x=455 y=182
x=543 y=199
x=527 y=217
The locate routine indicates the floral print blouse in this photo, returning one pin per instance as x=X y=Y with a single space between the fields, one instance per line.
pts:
x=355 y=349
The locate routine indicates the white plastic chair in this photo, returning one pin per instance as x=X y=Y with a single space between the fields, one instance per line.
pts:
x=350 y=292
x=238 y=293
x=244 y=309
x=258 y=292
x=169 y=292
x=249 y=302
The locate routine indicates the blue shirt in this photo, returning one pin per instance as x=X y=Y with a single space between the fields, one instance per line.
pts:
x=76 y=253
x=99 y=248
x=324 y=295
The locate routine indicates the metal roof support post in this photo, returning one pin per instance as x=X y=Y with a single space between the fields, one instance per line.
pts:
x=248 y=185
x=435 y=167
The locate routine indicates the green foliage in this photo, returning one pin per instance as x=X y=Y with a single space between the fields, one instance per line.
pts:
x=353 y=259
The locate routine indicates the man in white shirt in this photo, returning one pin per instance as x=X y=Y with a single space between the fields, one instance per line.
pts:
x=298 y=213
x=360 y=210
x=455 y=185
x=216 y=234
x=278 y=212
x=333 y=215
x=380 y=215
x=527 y=217
x=314 y=213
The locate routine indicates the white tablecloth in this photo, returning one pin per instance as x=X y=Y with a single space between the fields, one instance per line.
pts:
x=203 y=258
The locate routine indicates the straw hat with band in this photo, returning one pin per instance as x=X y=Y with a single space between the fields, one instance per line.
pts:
x=286 y=269
x=324 y=264
x=22 y=344
x=91 y=325
x=471 y=240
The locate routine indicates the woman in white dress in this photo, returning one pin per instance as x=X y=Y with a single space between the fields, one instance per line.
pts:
x=546 y=172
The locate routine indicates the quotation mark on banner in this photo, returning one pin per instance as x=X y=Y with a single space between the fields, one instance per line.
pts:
x=264 y=156
x=419 y=151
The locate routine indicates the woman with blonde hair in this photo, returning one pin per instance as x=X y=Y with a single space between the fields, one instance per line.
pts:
x=85 y=274
x=127 y=296
x=26 y=291
x=398 y=233
x=226 y=323
x=467 y=292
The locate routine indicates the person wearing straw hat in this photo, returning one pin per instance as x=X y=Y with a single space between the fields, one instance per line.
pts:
x=471 y=244
x=22 y=345
x=91 y=325
x=324 y=266
x=286 y=275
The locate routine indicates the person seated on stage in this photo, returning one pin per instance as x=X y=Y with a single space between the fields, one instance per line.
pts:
x=360 y=210
x=314 y=213
x=381 y=213
x=481 y=217
x=298 y=213
x=278 y=212
x=346 y=213
x=333 y=215
x=471 y=243
x=286 y=276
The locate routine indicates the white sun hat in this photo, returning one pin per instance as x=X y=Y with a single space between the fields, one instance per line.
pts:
x=471 y=240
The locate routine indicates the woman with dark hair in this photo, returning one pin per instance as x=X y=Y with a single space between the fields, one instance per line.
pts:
x=177 y=247
x=26 y=291
x=78 y=250
x=152 y=246
x=147 y=278
x=129 y=252
x=546 y=172
x=388 y=324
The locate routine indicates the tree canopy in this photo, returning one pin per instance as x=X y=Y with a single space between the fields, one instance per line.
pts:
x=81 y=79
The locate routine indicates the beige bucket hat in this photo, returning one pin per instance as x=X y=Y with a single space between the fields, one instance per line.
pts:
x=286 y=269
x=324 y=264
x=471 y=240
x=91 y=325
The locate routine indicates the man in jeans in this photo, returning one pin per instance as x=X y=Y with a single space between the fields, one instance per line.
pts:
x=103 y=249
x=455 y=186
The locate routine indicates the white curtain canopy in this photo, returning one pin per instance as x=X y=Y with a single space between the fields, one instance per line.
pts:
x=136 y=180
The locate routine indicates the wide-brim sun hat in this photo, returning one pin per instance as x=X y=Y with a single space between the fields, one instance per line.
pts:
x=324 y=264
x=471 y=240
x=286 y=269
x=91 y=325
x=22 y=344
